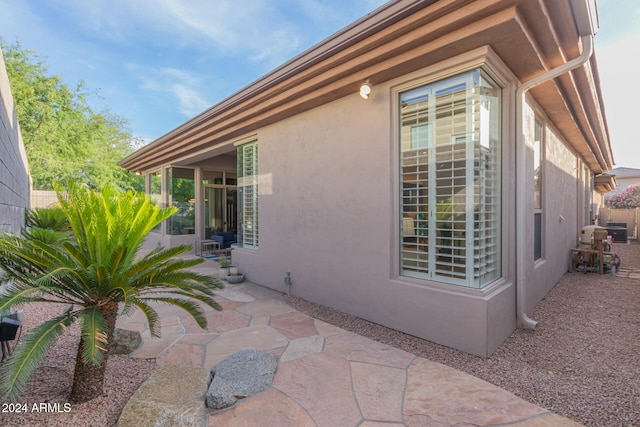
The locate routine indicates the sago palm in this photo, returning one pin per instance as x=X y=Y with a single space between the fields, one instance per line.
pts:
x=96 y=273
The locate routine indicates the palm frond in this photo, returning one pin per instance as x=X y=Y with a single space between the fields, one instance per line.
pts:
x=30 y=352
x=206 y=299
x=186 y=280
x=45 y=235
x=94 y=335
x=151 y=315
x=46 y=218
x=159 y=256
x=190 y=307
x=19 y=293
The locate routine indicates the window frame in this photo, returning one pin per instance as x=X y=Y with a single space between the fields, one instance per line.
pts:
x=538 y=208
x=451 y=173
x=248 y=195
x=481 y=58
x=183 y=222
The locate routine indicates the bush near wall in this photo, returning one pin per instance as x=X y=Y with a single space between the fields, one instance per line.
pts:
x=628 y=199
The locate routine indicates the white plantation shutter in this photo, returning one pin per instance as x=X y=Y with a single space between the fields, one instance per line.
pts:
x=248 y=194
x=450 y=148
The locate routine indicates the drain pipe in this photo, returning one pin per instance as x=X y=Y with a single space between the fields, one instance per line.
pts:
x=521 y=155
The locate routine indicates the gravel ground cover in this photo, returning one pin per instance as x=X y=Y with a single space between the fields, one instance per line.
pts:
x=583 y=362
x=51 y=385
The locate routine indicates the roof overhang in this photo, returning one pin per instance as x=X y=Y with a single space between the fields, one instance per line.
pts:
x=605 y=183
x=400 y=37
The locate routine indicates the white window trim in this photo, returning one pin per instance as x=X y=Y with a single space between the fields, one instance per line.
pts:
x=245 y=182
x=486 y=59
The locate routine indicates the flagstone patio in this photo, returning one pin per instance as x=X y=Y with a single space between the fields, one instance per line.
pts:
x=326 y=376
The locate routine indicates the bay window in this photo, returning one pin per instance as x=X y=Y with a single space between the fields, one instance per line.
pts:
x=450 y=181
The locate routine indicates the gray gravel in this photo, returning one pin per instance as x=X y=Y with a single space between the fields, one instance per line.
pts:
x=583 y=362
x=52 y=383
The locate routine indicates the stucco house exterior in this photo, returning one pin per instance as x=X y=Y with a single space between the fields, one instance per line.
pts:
x=14 y=171
x=442 y=201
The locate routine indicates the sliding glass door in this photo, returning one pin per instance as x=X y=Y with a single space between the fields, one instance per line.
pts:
x=220 y=202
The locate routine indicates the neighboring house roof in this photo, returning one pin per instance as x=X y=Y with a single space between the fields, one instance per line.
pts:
x=626 y=172
x=625 y=177
x=398 y=38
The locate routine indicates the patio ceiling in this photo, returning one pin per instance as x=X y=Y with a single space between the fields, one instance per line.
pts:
x=530 y=36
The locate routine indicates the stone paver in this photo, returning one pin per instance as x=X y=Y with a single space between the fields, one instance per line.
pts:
x=156 y=402
x=294 y=325
x=439 y=394
x=325 y=376
x=153 y=347
x=271 y=408
x=218 y=322
x=183 y=355
x=302 y=347
x=379 y=391
x=326 y=329
x=320 y=384
x=260 y=338
x=360 y=349
x=265 y=307
x=235 y=295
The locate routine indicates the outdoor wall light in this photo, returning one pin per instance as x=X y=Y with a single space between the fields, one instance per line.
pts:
x=365 y=90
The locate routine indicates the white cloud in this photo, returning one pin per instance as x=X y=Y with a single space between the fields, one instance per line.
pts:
x=256 y=29
x=182 y=87
x=189 y=101
x=87 y=64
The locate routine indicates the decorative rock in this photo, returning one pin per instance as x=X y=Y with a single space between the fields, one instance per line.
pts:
x=243 y=374
x=124 y=341
x=171 y=396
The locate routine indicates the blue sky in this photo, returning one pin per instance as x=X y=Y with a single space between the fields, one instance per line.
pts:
x=158 y=63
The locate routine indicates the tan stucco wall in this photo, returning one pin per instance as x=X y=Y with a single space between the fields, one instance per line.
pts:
x=327 y=215
x=14 y=174
x=563 y=211
x=328 y=206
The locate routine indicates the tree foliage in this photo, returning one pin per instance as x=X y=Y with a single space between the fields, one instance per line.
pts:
x=627 y=199
x=64 y=137
x=92 y=272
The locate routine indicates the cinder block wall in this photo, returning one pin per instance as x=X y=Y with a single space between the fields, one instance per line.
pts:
x=14 y=172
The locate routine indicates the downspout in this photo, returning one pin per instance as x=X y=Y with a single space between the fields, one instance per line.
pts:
x=521 y=213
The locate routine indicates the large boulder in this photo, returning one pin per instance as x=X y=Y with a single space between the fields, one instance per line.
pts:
x=124 y=341
x=240 y=375
x=171 y=396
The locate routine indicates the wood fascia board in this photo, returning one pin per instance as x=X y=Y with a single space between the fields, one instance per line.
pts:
x=268 y=111
x=349 y=35
x=591 y=82
x=586 y=112
x=579 y=97
x=397 y=33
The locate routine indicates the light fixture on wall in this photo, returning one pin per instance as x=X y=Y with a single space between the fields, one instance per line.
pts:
x=365 y=90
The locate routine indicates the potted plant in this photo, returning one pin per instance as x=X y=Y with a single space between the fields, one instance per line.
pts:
x=234 y=277
x=224 y=263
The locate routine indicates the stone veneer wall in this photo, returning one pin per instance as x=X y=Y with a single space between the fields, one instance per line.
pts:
x=14 y=172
